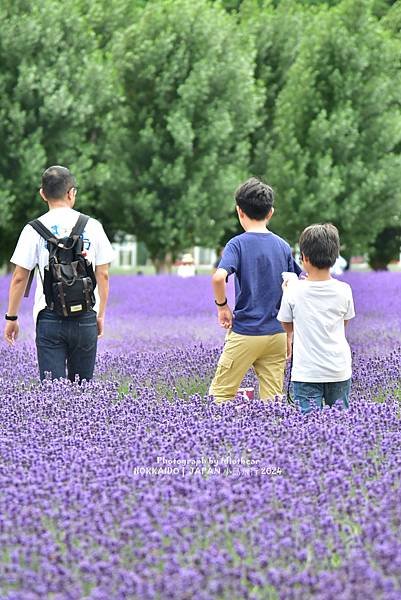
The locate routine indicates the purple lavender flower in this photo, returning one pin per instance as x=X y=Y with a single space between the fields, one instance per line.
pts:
x=136 y=485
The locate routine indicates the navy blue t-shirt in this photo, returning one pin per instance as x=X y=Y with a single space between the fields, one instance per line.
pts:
x=257 y=259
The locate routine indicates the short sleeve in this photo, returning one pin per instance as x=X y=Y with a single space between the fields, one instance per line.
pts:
x=350 y=310
x=285 y=314
x=295 y=268
x=290 y=262
x=230 y=260
x=104 y=253
x=26 y=251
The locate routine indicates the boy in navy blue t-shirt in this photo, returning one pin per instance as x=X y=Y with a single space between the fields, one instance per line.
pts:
x=255 y=337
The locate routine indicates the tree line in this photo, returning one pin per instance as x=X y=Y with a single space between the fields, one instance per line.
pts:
x=162 y=107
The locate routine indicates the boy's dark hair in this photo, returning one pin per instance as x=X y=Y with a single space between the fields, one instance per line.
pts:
x=255 y=198
x=56 y=182
x=320 y=244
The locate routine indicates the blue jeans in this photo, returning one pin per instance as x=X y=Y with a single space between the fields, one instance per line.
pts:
x=66 y=343
x=311 y=395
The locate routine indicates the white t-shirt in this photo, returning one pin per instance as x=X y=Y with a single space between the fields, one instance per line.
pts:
x=318 y=309
x=31 y=247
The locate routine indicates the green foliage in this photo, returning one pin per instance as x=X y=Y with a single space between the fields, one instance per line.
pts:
x=385 y=248
x=392 y=18
x=231 y=5
x=278 y=34
x=106 y=17
x=382 y=8
x=162 y=107
x=56 y=100
x=378 y=7
x=187 y=74
x=334 y=149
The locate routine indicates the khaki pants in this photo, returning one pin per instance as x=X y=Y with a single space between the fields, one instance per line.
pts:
x=266 y=353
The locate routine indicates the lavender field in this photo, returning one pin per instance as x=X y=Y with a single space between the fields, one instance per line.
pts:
x=136 y=485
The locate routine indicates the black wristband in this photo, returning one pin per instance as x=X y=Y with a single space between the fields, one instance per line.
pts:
x=220 y=304
x=8 y=318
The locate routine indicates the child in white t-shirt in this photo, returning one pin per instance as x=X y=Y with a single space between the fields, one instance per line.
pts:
x=315 y=310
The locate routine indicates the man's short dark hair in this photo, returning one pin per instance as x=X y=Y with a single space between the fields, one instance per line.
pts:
x=255 y=198
x=320 y=244
x=56 y=182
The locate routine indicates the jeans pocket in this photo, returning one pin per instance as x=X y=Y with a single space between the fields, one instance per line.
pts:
x=48 y=331
x=87 y=335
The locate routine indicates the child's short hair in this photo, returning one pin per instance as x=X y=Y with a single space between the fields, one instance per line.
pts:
x=320 y=244
x=255 y=198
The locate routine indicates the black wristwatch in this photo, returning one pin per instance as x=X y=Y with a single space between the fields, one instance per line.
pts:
x=10 y=318
x=220 y=303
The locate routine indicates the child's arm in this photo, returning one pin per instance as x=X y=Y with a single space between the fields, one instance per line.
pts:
x=285 y=316
x=224 y=314
x=289 y=329
x=350 y=314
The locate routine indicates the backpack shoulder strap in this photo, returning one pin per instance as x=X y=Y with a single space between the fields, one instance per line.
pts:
x=79 y=226
x=43 y=231
x=29 y=283
x=49 y=237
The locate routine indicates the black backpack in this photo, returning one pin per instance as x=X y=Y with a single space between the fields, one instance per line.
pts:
x=69 y=280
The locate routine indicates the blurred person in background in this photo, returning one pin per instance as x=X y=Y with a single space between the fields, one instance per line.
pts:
x=187 y=266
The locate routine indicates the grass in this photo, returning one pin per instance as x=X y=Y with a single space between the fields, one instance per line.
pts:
x=382 y=394
x=183 y=387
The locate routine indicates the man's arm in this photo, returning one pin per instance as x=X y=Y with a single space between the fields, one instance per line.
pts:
x=224 y=314
x=289 y=329
x=17 y=288
x=102 y=278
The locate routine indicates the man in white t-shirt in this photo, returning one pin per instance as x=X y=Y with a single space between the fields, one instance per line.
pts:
x=315 y=310
x=64 y=344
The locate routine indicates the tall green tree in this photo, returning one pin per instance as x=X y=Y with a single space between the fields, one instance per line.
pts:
x=335 y=150
x=191 y=99
x=278 y=33
x=57 y=100
x=385 y=248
